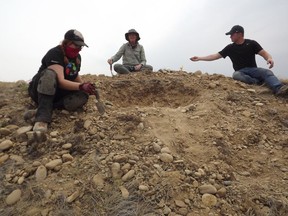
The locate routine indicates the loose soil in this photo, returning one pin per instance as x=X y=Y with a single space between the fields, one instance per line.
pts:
x=165 y=135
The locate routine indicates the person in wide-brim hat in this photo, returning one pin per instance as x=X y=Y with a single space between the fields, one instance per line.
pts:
x=132 y=31
x=133 y=55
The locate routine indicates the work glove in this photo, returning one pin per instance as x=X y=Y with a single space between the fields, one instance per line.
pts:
x=87 y=87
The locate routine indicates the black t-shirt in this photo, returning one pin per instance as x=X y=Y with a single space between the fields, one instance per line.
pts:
x=56 y=56
x=242 y=55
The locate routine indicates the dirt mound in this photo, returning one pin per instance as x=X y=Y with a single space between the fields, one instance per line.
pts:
x=170 y=143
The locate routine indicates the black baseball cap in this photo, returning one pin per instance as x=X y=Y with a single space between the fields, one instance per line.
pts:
x=236 y=29
x=76 y=37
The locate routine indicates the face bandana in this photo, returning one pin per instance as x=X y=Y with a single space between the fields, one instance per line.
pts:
x=71 y=52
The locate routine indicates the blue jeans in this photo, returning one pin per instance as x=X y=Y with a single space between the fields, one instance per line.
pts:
x=254 y=75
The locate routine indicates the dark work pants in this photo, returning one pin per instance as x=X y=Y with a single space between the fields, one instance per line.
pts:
x=61 y=99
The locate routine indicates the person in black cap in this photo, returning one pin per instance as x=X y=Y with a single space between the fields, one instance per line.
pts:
x=242 y=54
x=57 y=84
x=133 y=55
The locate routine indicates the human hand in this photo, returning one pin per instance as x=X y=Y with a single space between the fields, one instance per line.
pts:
x=195 y=58
x=270 y=62
x=110 y=61
x=87 y=87
x=137 y=67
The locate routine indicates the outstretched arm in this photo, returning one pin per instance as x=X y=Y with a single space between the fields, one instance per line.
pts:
x=206 y=58
x=267 y=57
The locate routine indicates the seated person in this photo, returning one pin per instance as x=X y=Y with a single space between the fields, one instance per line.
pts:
x=134 y=59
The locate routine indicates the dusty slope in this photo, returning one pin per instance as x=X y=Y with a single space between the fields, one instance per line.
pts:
x=171 y=143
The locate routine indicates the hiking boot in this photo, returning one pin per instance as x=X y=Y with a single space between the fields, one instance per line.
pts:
x=283 y=90
x=40 y=126
x=30 y=114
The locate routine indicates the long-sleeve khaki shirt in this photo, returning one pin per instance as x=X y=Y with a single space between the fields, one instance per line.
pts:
x=130 y=56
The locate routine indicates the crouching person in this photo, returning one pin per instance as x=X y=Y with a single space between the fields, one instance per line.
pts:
x=58 y=83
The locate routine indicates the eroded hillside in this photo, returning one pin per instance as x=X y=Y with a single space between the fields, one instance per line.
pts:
x=170 y=143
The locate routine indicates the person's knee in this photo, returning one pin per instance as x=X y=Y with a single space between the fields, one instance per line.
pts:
x=147 y=67
x=237 y=75
x=47 y=83
x=119 y=68
x=269 y=73
x=76 y=100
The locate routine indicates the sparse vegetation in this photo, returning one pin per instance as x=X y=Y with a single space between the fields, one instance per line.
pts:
x=167 y=138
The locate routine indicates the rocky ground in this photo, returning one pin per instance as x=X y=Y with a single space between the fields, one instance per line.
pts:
x=170 y=143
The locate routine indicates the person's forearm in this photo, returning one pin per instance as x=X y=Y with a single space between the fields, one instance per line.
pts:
x=69 y=85
x=267 y=56
x=210 y=57
x=78 y=79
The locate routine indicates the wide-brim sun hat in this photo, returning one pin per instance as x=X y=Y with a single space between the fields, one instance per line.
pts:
x=132 y=31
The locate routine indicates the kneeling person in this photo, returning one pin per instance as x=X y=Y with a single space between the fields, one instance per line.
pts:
x=57 y=83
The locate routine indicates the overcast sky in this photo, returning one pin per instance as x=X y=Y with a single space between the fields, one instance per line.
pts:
x=171 y=32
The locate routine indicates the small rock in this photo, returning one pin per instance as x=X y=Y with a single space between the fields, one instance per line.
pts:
x=98 y=181
x=246 y=113
x=222 y=192
x=124 y=191
x=180 y=204
x=20 y=180
x=165 y=157
x=41 y=173
x=13 y=197
x=209 y=200
x=54 y=134
x=52 y=164
x=227 y=183
x=212 y=85
x=116 y=172
x=128 y=175
x=209 y=189
x=126 y=166
x=5 y=131
x=259 y=104
x=73 y=197
x=67 y=146
x=87 y=124
x=166 y=150
x=251 y=90
x=23 y=130
x=4 y=158
x=141 y=126
x=17 y=158
x=183 y=211
x=120 y=158
x=36 y=163
x=166 y=210
x=6 y=144
x=67 y=157
x=244 y=173
x=143 y=188
x=156 y=147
